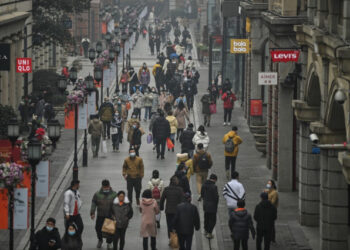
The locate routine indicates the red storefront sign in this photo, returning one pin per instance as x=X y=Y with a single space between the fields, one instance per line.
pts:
x=24 y=65
x=285 y=55
x=255 y=107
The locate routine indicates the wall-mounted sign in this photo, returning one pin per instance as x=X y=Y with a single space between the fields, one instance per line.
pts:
x=284 y=55
x=24 y=65
x=255 y=107
x=4 y=57
x=240 y=46
x=267 y=78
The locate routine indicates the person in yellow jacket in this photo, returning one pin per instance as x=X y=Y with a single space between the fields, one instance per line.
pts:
x=188 y=162
x=231 y=141
x=173 y=127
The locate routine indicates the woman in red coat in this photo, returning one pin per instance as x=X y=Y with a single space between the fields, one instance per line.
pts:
x=229 y=99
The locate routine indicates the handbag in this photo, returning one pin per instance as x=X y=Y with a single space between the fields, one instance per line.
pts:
x=104 y=146
x=169 y=143
x=109 y=226
x=212 y=108
x=149 y=139
x=174 y=240
x=128 y=106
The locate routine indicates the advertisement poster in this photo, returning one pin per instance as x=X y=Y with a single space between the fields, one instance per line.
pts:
x=6 y=150
x=256 y=107
x=82 y=116
x=69 y=119
x=4 y=203
x=106 y=78
x=42 y=184
x=20 y=218
x=91 y=104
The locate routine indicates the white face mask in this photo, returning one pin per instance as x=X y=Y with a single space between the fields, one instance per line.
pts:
x=132 y=155
x=268 y=186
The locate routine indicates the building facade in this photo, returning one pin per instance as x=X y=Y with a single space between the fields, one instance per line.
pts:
x=312 y=96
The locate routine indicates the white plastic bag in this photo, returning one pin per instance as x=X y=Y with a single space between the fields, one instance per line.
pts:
x=104 y=146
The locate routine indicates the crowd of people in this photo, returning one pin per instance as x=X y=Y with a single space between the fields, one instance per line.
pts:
x=167 y=108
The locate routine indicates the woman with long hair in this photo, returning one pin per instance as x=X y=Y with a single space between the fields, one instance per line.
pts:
x=201 y=137
x=181 y=115
x=271 y=189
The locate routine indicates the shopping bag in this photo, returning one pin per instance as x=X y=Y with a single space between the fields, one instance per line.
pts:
x=169 y=143
x=174 y=240
x=108 y=226
x=212 y=108
x=104 y=146
x=149 y=139
x=158 y=216
x=128 y=105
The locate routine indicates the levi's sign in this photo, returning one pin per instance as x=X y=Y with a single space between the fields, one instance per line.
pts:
x=285 y=55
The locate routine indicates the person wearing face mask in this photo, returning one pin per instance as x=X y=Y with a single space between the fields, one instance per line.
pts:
x=155 y=101
x=124 y=79
x=102 y=201
x=206 y=101
x=133 y=80
x=71 y=239
x=195 y=75
x=133 y=172
x=116 y=130
x=134 y=137
x=144 y=76
x=271 y=190
x=48 y=238
x=138 y=100
x=229 y=99
x=148 y=102
x=157 y=72
x=190 y=90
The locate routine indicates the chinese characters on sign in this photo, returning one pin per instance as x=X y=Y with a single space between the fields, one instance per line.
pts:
x=240 y=46
x=267 y=78
x=24 y=65
x=285 y=55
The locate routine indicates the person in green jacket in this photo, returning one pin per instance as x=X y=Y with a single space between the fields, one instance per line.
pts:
x=102 y=201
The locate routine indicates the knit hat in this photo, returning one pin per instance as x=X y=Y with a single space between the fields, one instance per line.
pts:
x=264 y=196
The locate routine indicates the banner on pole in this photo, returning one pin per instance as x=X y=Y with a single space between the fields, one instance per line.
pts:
x=20 y=218
x=4 y=209
x=69 y=119
x=91 y=103
x=82 y=116
x=42 y=184
x=106 y=78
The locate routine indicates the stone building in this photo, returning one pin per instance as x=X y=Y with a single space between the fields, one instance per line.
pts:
x=312 y=96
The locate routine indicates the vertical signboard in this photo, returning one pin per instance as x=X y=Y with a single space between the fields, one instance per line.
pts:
x=82 y=116
x=24 y=65
x=20 y=214
x=4 y=208
x=256 y=107
x=91 y=103
x=42 y=184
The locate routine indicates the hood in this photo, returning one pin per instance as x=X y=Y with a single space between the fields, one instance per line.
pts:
x=231 y=134
x=170 y=118
x=182 y=157
x=95 y=120
x=157 y=65
x=201 y=151
x=199 y=134
x=241 y=213
x=266 y=203
x=116 y=200
x=147 y=201
x=155 y=181
x=179 y=174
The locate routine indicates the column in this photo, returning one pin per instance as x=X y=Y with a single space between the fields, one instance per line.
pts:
x=334 y=203
x=309 y=180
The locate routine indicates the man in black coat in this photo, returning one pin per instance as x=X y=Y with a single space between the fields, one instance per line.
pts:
x=190 y=89
x=173 y=196
x=240 y=223
x=47 y=238
x=210 y=196
x=180 y=173
x=186 y=137
x=185 y=221
x=161 y=131
x=265 y=214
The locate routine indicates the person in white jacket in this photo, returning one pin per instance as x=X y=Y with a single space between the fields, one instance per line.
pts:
x=189 y=63
x=233 y=191
x=156 y=182
x=201 y=137
x=71 y=206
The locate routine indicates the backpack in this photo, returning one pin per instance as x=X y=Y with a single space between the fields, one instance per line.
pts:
x=156 y=192
x=229 y=145
x=204 y=163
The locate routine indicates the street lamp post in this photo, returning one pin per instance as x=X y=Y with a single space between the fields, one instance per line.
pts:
x=92 y=54
x=89 y=80
x=124 y=38
x=12 y=133
x=34 y=157
x=117 y=51
x=62 y=83
x=99 y=78
x=54 y=131
x=99 y=47
x=111 y=55
x=73 y=78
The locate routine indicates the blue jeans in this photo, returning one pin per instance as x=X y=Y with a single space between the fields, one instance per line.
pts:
x=148 y=112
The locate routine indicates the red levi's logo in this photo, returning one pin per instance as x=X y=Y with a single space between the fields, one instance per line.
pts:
x=285 y=55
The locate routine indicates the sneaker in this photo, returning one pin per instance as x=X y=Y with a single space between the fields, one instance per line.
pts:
x=109 y=246
x=138 y=202
x=145 y=120
x=162 y=158
x=158 y=156
x=224 y=124
x=210 y=236
x=229 y=124
x=117 y=150
x=99 y=244
x=228 y=175
x=200 y=198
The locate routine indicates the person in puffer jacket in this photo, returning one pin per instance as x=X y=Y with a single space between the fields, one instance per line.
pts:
x=144 y=76
x=201 y=137
x=173 y=127
x=116 y=130
x=184 y=158
x=106 y=114
x=147 y=102
x=138 y=100
x=156 y=193
x=122 y=212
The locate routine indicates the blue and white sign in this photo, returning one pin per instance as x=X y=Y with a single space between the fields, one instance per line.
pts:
x=20 y=218
x=42 y=184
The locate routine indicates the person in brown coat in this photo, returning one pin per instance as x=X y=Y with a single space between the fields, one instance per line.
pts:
x=95 y=130
x=149 y=209
x=181 y=115
x=202 y=162
x=133 y=172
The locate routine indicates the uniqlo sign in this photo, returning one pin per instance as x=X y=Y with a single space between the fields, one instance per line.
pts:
x=24 y=65
x=285 y=55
